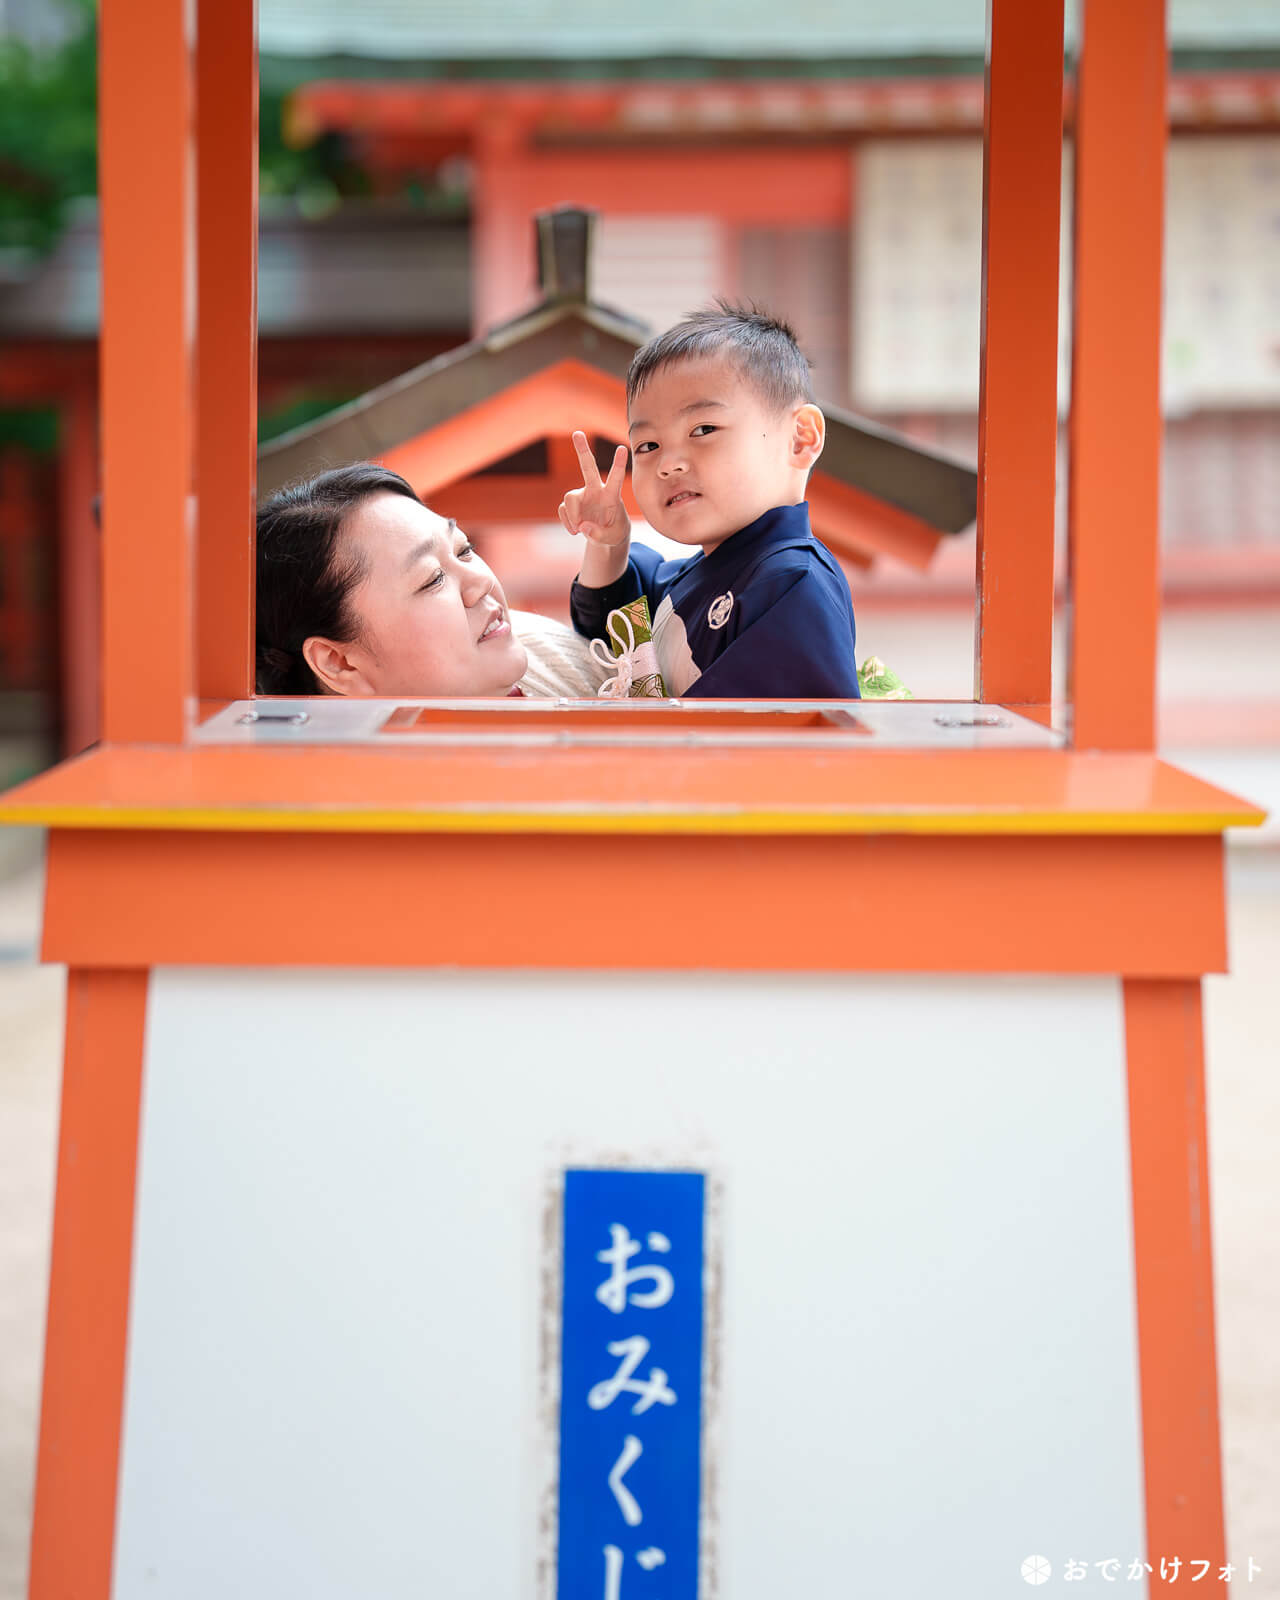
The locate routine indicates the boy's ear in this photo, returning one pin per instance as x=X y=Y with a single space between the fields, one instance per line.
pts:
x=808 y=435
x=336 y=666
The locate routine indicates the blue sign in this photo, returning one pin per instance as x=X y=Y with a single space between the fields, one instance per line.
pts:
x=631 y=1386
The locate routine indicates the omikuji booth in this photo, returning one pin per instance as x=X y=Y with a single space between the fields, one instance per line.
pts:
x=528 y=1149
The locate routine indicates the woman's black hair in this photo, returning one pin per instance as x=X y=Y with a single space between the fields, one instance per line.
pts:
x=304 y=582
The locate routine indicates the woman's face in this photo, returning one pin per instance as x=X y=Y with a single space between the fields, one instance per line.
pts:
x=432 y=618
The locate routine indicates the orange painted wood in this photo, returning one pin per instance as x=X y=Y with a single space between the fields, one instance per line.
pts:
x=76 y=1472
x=1018 y=405
x=558 y=399
x=854 y=525
x=746 y=185
x=1115 y=389
x=740 y=186
x=858 y=526
x=1174 y=1266
x=145 y=119
x=855 y=904
x=79 y=569
x=503 y=274
x=226 y=392
x=815 y=786
x=510 y=497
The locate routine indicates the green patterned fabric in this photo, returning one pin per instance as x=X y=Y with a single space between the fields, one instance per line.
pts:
x=878 y=682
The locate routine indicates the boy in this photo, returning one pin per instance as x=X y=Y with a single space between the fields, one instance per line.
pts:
x=724 y=433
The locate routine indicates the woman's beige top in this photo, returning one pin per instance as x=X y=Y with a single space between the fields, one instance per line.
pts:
x=560 y=661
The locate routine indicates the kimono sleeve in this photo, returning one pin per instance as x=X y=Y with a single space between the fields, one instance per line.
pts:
x=588 y=608
x=799 y=647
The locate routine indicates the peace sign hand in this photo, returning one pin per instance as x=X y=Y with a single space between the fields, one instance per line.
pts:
x=596 y=510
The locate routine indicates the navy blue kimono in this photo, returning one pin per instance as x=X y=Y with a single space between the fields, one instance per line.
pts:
x=767 y=614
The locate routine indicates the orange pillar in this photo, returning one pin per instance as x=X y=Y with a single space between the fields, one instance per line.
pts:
x=1018 y=408
x=147 y=354
x=1115 y=378
x=503 y=275
x=1173 y=1253
x=79 y=568
x=73 y=1531
x=226 y=382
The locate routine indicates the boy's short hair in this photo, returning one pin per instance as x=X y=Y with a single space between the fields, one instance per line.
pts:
x=763 y=346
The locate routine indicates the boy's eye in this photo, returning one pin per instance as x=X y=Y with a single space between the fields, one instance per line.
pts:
x=644 y=448
x=704 y=428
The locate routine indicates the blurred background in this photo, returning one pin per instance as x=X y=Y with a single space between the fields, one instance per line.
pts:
x=826 y=163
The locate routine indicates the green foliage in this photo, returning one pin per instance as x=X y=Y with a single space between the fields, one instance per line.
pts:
x=35 y=431
x=316 y=176
x=298 y=411
x=48 y=132
x=48 y=141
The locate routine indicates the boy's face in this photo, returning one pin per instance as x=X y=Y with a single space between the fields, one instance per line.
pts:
x=710 y=455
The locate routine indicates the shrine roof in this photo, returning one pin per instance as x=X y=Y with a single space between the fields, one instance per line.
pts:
x=556 y=30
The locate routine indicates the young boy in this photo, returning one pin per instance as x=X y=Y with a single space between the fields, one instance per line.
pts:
x=724 y=433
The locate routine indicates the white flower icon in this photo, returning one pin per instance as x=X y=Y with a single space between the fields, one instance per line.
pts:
x=1035 y=1569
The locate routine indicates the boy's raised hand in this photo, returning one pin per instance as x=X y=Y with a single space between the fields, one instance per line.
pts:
x=596 y=510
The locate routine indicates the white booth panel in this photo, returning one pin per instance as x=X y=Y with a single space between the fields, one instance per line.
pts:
x=343 y=1343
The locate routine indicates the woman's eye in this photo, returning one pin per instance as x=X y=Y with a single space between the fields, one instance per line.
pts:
x=704 y=428
x=433 y=582
x=466 y=553
x=644 y=449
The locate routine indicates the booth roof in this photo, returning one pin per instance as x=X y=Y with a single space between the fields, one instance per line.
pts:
x=493 y=30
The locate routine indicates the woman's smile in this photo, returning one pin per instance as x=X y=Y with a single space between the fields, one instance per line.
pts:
x=497 y=628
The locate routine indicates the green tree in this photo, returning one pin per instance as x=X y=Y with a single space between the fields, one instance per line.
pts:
x=48 y=141
x=48 y=132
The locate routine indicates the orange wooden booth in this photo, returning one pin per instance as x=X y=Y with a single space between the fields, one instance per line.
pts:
x=1060 y=849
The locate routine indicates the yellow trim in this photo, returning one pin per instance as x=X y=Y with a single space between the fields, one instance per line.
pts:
x=602 y=820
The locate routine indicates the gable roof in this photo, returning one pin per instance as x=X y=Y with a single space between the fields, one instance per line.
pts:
x=541 y=30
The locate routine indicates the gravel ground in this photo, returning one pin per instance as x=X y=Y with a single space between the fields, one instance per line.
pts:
x=1244 y=1109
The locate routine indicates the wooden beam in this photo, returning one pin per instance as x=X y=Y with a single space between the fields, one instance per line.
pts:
x=1115 y=381
x=79 y=569
x=856 y=525
x=77 y=1469
x=1174 y=1272
x=1018 y=404
x=509 y=497
x=145 y=163
x=226 y=442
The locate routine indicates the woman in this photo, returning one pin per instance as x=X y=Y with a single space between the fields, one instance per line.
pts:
x=362 y=590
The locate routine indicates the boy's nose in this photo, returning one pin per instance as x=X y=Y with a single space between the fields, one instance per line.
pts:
x=671 y=462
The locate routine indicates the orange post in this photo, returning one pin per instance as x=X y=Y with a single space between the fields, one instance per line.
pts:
x=1172 y=1249
x=76 y=1473
x=79 y=574
x=503 y=273
x=1018 y=409
x=1115 y=379
x=146 y=94
x=226 y=381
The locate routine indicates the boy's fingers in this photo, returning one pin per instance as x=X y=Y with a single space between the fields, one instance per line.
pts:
x=590 y=472
x=564 y=518
x=618 y=471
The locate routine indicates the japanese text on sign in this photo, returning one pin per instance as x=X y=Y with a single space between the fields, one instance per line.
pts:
x=631 y=1385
